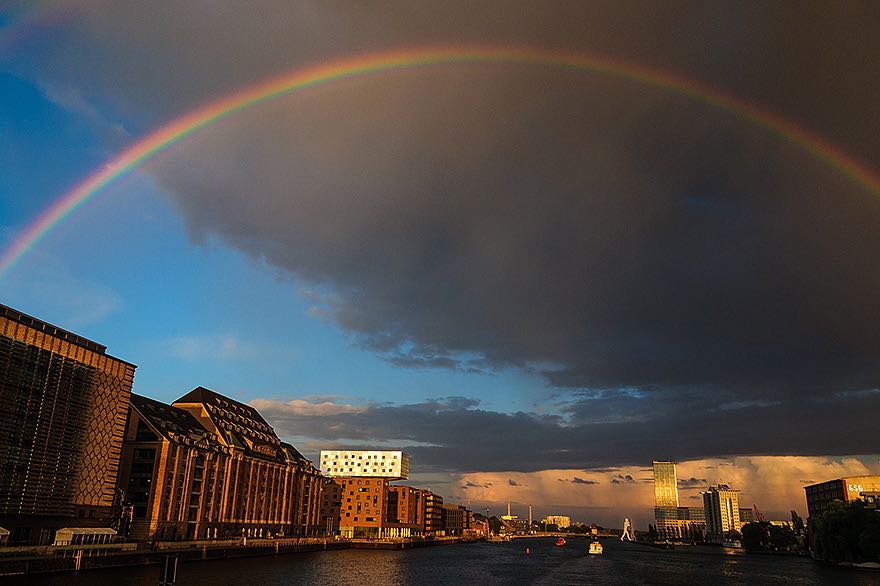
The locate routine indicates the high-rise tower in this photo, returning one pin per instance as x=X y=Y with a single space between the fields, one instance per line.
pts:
x=721 y=504
x=665 y=498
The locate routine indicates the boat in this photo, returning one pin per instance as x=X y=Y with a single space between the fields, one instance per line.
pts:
x=560 y=541
x=595 y=548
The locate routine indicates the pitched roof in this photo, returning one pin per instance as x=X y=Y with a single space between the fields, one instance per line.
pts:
x=209 y=397
x=173 y=423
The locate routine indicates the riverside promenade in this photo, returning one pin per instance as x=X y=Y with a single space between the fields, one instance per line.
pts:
x=41 y=559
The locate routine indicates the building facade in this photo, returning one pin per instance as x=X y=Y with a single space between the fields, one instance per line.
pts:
x=721 y=504
x=390 y=464
x=457 y=520
x=560 y=521
x=63 y=404
x=402 y=516
x=363 y=507
x=747 y=516
x=209 y=467
x=666 y=499
x=433 y=504
x=671 y=520
x=331 y=505
x=847 y=489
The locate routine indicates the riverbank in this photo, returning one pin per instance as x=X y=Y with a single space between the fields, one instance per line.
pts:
x=480 y=563
x=26 y=561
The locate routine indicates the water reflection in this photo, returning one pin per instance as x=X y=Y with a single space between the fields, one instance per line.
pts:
x=485 y=564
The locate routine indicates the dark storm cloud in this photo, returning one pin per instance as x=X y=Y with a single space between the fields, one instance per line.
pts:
x=468 y=439
x=577 y=480
x=681 y=273
x=692 y=483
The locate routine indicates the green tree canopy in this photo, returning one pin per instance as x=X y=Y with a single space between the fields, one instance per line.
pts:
x=846 y=532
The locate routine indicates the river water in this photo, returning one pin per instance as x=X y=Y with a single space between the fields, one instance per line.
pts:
x=487 y=563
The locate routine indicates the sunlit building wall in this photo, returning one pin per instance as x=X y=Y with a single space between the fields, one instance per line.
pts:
x=847 y=489
x=363 y=502
x=209 y=467
x=666 y=499
x=433 y=504
x=390 y=464
x=561 y=521
x=721 y=504
x=63 y=403
x=402 y=517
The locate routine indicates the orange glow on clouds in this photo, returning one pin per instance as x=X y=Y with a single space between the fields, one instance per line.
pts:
x=774 y=483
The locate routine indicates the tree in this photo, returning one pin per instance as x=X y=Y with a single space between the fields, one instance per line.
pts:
x=797 y=524
x=782 y=538
x=766 y=537
x=732 y=535
x=756 y=537
x=652 y=533
x=846 y=532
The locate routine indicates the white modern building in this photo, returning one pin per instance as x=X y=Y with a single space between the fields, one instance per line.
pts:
x=390 y=464
x=561 y=521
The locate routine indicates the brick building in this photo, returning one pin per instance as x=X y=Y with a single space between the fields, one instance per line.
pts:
x=433 y=505
x=363 y=502
x=209 y=467
x=403 y=514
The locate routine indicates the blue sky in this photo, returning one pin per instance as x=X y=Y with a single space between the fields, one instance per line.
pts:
x=186 y=313
x=499 y=267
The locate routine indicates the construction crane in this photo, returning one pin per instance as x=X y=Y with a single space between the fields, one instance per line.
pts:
x=759 y=516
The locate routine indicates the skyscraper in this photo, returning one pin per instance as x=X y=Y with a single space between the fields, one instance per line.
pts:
x=665 y=499
x=721 y=504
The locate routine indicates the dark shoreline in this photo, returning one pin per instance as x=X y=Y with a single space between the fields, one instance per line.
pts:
x=27 y=565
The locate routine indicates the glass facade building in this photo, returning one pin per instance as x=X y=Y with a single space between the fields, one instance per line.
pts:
x=665 y=499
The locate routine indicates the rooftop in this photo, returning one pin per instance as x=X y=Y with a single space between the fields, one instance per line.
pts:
x=47 y=328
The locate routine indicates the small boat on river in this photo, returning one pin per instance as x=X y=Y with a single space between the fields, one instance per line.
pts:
x=595 y=548
x=561 y=541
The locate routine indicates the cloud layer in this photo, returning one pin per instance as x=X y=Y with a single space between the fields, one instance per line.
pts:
x=455 y=435
x=689 y=284
x=770 y=483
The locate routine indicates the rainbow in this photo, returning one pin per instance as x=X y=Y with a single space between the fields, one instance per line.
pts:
x=352 y=67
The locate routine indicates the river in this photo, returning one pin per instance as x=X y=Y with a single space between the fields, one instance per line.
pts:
x=486 y=563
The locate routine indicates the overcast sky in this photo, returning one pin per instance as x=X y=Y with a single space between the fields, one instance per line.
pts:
x=526 y=275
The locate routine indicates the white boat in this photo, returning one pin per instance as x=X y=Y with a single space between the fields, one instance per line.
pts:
x=595 y=548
